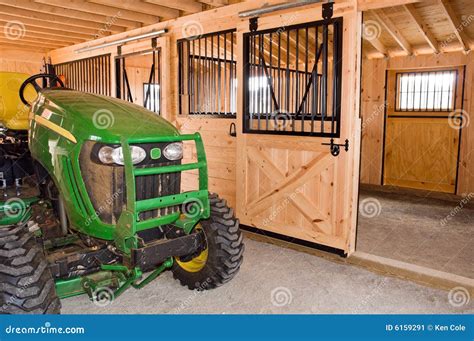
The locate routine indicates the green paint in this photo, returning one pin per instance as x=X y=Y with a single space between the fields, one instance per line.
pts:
x=155 y=153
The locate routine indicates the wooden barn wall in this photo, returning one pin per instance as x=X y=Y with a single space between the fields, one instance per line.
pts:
x=15 y=60
x=373 y=113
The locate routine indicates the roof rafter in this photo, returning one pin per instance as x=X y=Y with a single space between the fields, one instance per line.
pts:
x=58 y=20
x=64 y=12
x=84 y=6
x=422 y=27
x=456 y=25
x=189 y=6
x=141 y=7
x=393 y=30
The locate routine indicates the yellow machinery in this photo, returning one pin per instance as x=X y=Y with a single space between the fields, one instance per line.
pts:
x=13 y=113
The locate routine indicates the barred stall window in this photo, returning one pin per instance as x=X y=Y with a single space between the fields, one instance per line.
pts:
x=293 y=79
x=426 y=91
x=88 y=75
x=207 y=75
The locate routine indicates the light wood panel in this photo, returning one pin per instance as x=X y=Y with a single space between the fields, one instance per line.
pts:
x=220 y=152
x=421 y=153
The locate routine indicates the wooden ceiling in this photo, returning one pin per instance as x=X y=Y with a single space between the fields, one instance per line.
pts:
x=43 y=25
x=429 y=26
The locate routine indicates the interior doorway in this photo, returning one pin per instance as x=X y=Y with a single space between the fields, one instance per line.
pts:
x=416 y=200
x=138 y=78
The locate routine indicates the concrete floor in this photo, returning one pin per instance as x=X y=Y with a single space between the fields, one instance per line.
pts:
x=414 y=228
x=278 y=280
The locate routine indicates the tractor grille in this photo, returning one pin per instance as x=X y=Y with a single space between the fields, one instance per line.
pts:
x=153 y=186
x=106 y=184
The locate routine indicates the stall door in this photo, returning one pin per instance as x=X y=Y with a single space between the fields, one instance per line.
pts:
x=422 y=129
x=298 y=153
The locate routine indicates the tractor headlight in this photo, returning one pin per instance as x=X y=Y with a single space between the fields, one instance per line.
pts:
x=173 y=151
x=110 y=155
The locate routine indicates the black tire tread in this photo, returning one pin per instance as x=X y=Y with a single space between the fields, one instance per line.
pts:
x=226 y=248
x=26 y=283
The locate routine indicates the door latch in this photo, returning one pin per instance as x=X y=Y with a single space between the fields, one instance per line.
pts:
x=232 y=130
x=335 y=147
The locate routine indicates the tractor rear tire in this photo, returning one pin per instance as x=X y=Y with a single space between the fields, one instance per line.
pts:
x=26 y=283
x=221 y=259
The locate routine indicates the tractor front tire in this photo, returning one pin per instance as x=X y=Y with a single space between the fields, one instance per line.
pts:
x=221 y=259
x=26 y=283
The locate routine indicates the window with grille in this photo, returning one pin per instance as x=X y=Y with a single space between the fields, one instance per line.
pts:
x=293 y=79
x=208 y=75
x=426 y=91
x=88 y=75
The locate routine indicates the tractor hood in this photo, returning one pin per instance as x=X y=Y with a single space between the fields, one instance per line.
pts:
x=100 y=118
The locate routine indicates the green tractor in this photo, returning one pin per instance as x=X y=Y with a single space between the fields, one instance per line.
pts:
x=92 y=201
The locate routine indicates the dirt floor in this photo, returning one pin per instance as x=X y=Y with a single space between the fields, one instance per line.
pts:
x=275 y=280
x=435 y=231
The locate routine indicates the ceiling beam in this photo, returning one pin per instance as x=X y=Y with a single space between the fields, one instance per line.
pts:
x=58 y=20
x=456 y=25
x=422 y=27
x=52 y=38
x=189 y=6
x=377 y=44
x=64 y=12
x=34 y=40
x=365 y=5
x=33 y=45
x=52 y=32
x=82 y=5
x=40 y=23
x=10 y=46
x=141 y=7
x=393 y=30
x=215 y=3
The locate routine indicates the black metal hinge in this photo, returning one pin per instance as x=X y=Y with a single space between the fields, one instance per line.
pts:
x=327 y=10
x=335 y=147
x=253 y=24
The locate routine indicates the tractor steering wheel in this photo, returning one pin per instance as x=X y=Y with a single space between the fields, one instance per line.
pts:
x=32 y=80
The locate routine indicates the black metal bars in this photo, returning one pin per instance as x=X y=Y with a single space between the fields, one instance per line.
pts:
x=143 y=84
x=292 y=79
x=426 y=91
x=88 y=75
x=207 y=75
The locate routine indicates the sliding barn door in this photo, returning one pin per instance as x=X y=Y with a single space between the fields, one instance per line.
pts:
x=299 y=146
